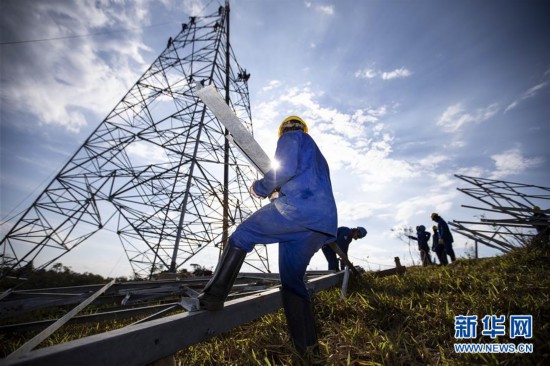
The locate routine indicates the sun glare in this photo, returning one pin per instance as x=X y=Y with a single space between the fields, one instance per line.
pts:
x=275 y=164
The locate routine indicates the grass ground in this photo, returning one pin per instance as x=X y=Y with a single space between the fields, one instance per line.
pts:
x=407 y=319
x=404 y=319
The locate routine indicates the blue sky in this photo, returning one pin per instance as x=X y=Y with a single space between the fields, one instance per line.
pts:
x=399 y=95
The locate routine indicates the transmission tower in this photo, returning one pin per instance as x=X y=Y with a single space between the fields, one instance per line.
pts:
x=158 y=174
x=511 y=206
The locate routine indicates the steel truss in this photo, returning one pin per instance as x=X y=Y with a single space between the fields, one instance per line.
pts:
x=160 y=335
x=511 y=204
x=158 y=174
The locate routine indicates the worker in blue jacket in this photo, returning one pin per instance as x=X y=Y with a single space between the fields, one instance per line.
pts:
x=445 y=235
x=344 y=236
x=438 y=248
x=301 y=217
x=422 y=236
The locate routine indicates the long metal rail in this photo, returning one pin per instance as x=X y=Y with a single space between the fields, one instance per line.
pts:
x=147 y=342
x=128 y=294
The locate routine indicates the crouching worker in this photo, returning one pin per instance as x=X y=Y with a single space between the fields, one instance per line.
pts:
x=301 y=217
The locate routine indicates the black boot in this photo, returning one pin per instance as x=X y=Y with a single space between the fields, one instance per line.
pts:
x=301 y=324
x=216 y=290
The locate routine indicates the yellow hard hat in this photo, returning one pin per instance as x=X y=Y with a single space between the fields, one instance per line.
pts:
x=291 y=122
x=434 y=228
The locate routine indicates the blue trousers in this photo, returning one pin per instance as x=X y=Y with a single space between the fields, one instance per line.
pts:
x=296 y=244
x=332 y=260
x=449 y=250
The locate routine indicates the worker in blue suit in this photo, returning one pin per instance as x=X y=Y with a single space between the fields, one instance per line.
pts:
x=438 y=247
x=344 y=236
x=445 y=235
x=422 y=237
x=301 y=217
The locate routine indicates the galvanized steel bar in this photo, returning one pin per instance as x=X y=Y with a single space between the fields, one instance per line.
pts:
x=154 y=340
x=27 y=347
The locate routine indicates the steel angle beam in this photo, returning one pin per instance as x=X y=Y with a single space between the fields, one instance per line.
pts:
x=27 y=347
x=145 y=343
x=96 y=317
x=343 y=256
x=242 y=138
x=482 y=238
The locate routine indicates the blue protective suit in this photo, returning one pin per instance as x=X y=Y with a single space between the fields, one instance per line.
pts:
x=422 y=237
x=302 y=219
x=447 y=236
x=344 y=236
x=439 y=249
x=303 y=181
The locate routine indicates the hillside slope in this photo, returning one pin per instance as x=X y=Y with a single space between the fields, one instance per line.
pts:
x=408 y=319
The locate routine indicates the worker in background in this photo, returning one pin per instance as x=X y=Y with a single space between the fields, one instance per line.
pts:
x=540 y=223
x=445 y=235
x=438 y=247
x=344 y=237
x=422 y=237
x=301 y=217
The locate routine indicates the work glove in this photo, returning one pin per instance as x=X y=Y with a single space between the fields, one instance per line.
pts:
x=441 y=241
x=253 y=192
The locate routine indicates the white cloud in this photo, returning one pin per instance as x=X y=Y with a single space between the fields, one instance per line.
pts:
x=353 y=140
x=396 y=74
x=512 y=162
x=143 y=153
x=194 y=7
x=360 y=211
x=366 y=74
x=370 y=73
x=272 y=85
x=433 y=161
x=53 y=80
x=325 y=9
x=532 y=92
x=473 y=171
x=328 y=9
x=455 y=116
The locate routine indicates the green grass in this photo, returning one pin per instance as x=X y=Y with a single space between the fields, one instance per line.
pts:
x=396 y=320
x=405 y=320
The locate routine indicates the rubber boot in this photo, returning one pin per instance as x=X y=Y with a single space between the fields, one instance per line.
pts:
x=216 y=290
x=301 y=324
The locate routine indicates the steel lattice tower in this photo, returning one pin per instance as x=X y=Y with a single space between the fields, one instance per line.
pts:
x=512 y=205
x=158 y=173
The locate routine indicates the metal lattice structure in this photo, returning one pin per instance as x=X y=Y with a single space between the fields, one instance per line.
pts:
x=158 y=174
x=510 y=204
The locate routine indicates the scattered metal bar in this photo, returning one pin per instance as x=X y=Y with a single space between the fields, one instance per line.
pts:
x=88 y=318
x=18 y=302
x=27 y=347
x=156 y=315
x=513 y=202
x=345 y=283
x=156 y=339
x=343 y=256
x=6 y=293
